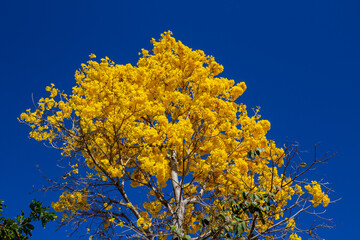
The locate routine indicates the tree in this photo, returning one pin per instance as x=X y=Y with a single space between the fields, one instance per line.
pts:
x=172 y=132
x=21 y=227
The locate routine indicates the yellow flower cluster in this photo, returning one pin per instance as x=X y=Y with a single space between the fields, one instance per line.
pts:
x=107 y=207
x=144 y=222
x=71 y=202
x=291 y=224
x=294 y=236
x=318 y=195
x=171 y=112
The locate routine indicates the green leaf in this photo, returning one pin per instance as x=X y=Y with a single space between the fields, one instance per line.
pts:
x=20 y=218
x=30 y=226
x=205 y=221
x=187 y=237
x=261 y=217
x=238 y=229
x=222 y=217
x=243 y=225
x=251 y=154
x=302 y=164
x=179 y=231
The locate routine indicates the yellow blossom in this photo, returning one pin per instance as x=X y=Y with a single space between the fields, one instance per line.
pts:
x=169 y=117
x=291 y=224
x=318 y=195
x=294 y=236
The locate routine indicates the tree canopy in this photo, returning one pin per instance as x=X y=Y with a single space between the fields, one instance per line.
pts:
x=164 y=150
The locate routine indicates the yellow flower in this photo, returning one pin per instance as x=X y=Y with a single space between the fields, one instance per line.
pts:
x=107 y=207
x=294 y=236
x=140 y=222
x=318 y=196
x=54 y=92
x=291 y=224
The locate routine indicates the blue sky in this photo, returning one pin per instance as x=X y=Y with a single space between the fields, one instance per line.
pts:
x=299 y=59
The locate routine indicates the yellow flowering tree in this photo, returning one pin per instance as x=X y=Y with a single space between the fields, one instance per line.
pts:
x=164 y=150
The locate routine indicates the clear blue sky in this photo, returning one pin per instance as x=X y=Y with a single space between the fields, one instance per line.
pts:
x=299 y=59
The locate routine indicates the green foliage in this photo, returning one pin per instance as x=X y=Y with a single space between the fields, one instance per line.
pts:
x=256 y=153
x=231 y=224
x=20 y=228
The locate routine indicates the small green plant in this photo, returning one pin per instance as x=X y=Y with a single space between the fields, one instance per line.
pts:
x=20 y=228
